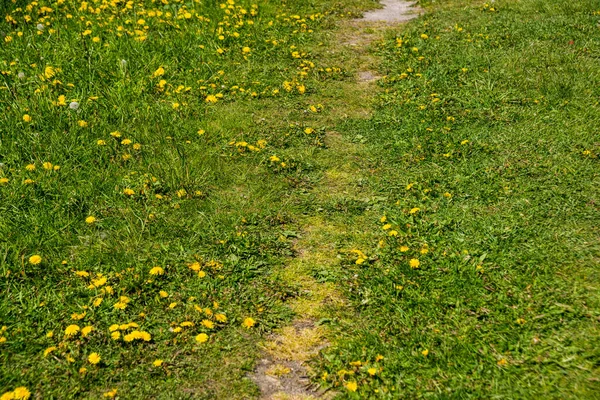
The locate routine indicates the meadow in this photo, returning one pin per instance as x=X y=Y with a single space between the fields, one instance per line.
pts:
x=163 y=162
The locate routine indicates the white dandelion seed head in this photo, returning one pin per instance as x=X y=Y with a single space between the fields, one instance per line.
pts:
x=40 y=27
x=73 y=105
x=21 y=75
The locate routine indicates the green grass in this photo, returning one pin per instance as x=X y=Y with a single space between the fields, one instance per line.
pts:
x=213 y=197
x=503 y=169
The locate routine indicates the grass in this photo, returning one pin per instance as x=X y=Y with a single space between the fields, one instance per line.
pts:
x=485 y=143
x=265 y=172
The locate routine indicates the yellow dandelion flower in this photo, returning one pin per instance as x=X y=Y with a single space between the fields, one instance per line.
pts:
x=49 y=350
x=71 y=330
x=26 y=118
x=35 y=259
x=202 y=338
x=157 y=363
x=208 y=324
x=159 y=72
x=248 y=323
x=163 y=294
x=157 y=271
x=352 y=386
x=86 y=330
x=90 y=220
x=221 y=317
x=128 y=192
x=21 y=393
x=414 y=263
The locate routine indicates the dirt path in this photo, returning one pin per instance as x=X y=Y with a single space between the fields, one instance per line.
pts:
x=283 y=372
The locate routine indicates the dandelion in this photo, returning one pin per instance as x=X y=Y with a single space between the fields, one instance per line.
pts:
x=3 y=181
x=211 y=99
x=90 y=220
x=208 y=324
x=414 y=263
x=111 y=394
x=73 y=105
x=248 y=323
x=128 y=192
x=30 y=167
x=372 y=371
x=221 y=317
x=115 y=335
x=82 y=123
x=101 y=142
x=77 y=317
x=157 y=271
x=47 y=165
x=26 y=118
x=414 y=210
x=35 y=259
x=202 y=338
x=157 y=363
x=404 y=249
x=159 y=72
x=20 y=393
x=71 y=330
x=86 y=330
x=163 y=294
x=49 y=350
x=352 y=386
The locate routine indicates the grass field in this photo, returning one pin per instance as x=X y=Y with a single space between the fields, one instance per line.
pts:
x=176 y=176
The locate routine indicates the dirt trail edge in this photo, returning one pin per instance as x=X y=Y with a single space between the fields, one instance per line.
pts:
x=283 y=373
